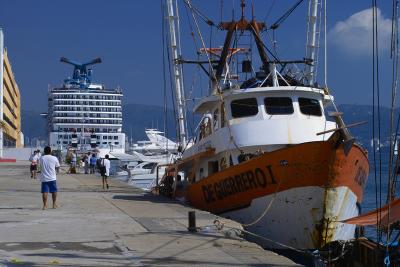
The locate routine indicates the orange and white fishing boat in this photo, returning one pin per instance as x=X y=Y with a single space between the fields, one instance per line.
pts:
x=265 y=153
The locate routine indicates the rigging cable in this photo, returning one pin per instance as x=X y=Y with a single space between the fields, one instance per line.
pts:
x=378 y=101
x=378 y=97
x=200 y=14
x=269 y=10
x=164 y=74
x=267 y=208
x=394 y=55
x=212 y=72
x=378 y=203
x=197 y=51
x=375 y=34
x=395 y=74
x=393 y=172
x=191 y=30
x=282 y=18
x=394 y=85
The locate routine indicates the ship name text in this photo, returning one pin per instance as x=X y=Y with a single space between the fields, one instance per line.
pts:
x=242 y=182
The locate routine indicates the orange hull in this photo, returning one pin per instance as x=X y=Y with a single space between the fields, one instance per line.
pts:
x=320 y=164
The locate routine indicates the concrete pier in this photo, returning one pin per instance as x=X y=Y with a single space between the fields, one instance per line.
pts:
x=119 y=227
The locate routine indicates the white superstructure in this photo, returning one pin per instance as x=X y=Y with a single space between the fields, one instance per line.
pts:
x=157 y=144
x=85 y=116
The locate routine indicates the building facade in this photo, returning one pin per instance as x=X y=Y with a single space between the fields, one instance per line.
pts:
x=10 y=111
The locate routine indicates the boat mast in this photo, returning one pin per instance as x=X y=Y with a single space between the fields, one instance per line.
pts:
x=311 y=48
x=252 y=26
x=173 y=22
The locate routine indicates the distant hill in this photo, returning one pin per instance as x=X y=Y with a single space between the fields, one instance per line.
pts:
x=137 y=117
x=363 y=133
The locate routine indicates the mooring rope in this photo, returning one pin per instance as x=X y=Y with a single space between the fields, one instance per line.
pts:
x=271 y=202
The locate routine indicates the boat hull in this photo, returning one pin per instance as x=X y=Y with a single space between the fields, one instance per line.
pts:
x=294 y=196
x=294 y=218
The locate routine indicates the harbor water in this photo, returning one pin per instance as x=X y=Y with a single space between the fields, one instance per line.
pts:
x=377 y=186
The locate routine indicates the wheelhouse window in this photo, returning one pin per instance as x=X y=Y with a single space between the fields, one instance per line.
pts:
x=244 y=107
x=309 y=106
x=278 y=105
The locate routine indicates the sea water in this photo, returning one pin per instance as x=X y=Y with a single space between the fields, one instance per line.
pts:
x=375 y=192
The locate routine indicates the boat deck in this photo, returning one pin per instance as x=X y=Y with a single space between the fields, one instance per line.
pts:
x=119 y=227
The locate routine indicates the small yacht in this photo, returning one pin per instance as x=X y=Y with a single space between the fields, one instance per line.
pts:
x=157 y=144
x=145 y=174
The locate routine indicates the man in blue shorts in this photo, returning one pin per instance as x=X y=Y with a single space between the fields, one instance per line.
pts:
x=49 y=164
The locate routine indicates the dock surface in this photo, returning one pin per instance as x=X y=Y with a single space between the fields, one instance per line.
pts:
x=122 y=226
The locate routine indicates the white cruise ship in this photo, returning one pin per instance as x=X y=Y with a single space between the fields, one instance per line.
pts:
x=85 y=116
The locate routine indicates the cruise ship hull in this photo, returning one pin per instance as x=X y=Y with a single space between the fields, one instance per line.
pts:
x=294 y=196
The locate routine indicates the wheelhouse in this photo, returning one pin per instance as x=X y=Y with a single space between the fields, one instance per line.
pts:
x=261 y=104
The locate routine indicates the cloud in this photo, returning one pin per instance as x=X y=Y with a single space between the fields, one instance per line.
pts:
x=354 y=35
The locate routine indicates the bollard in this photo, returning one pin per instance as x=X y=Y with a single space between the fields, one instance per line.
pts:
x=192 y=221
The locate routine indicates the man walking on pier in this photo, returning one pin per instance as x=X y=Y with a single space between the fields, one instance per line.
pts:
x=49 y=164
x=105 y=170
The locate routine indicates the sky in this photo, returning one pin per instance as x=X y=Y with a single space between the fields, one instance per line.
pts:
x=127 y=35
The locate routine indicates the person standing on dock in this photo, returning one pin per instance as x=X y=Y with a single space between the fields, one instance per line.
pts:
x=48 y=177
x=39 y=155
x=92 y=162
x=105 y=171
x=86 y=161
x=72 y=168
x=34 y=158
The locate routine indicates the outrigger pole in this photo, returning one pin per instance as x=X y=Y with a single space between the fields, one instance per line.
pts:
x=312 y=46
x=173 y=21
